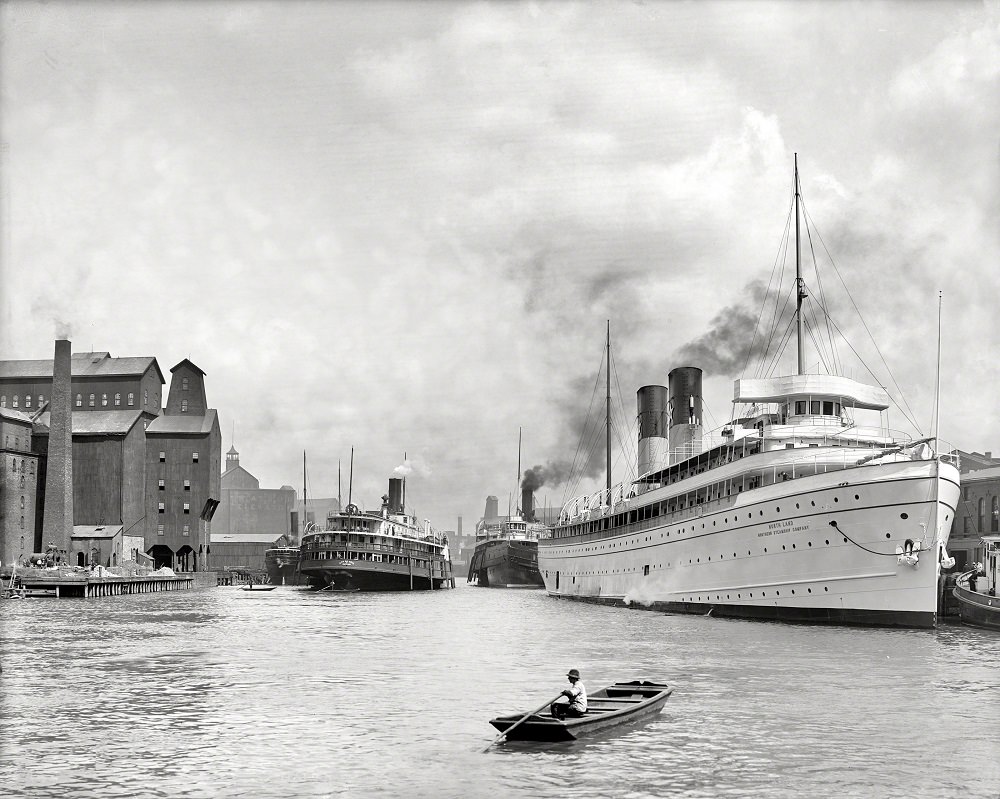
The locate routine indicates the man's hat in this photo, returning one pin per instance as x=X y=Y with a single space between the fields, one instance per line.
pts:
x=574 y=673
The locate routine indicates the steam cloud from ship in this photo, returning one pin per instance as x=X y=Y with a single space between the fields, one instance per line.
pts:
x=723 y=349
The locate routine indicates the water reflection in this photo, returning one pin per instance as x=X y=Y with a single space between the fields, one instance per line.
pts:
x=290 y=693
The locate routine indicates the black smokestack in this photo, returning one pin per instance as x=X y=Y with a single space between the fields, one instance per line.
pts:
x=527 y=504
x=395 y=495
x=57 y=516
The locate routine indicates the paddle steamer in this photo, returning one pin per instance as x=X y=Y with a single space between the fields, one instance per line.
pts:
x=385 y=550
x=795 y=512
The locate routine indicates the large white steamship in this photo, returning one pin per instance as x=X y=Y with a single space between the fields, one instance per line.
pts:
x=795 y=512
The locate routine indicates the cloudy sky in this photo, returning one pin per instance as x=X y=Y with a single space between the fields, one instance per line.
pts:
x=403 y=227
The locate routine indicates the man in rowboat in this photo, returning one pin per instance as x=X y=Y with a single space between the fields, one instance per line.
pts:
x=576 y=698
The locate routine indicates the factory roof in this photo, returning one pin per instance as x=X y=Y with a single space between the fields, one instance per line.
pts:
x=94 y=422
x=182 y=424
x=245 y=538
x=96 y=530
x=82 y=364
x=15 y=416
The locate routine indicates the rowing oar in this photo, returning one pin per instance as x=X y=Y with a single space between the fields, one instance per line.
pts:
x=505 y=733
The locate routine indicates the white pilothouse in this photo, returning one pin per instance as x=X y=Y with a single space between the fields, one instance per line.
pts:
x=796 y=512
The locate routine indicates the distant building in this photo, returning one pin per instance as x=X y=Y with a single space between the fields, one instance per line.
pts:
x=243 y=550
x=978 y=514
x=246 y=509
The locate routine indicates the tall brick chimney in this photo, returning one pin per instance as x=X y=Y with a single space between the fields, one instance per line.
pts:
x=57 y=518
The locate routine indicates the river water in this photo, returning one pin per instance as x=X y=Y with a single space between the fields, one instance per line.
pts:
x=224 y=693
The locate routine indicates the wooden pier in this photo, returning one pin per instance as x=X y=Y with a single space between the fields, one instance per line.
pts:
x=86 y=586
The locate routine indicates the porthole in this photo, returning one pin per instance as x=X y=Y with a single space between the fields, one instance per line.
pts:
x=793 y=590
x=777 y=593
x=765 y=549
x=813 y=503
x=856 y=496
x=888 y=535
x=836 y=499
x=828 y=542
x=793 y=546
x=904 y=516
x=796 y=506
x=782 y=547
x=845 y=539
x=809 y=590
x=825 y=588
x=810 y=543
x=777 y=510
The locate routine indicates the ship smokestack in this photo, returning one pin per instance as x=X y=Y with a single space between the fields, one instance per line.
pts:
x=527 y=505
x=685 y=412
x=395 y=495
x=57 y=516
x=654 y=452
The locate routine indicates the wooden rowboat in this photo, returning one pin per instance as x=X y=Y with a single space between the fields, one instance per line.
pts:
x=619 y=703
x=258 y=587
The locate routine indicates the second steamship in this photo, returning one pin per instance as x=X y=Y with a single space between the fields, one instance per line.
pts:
x=506 y=554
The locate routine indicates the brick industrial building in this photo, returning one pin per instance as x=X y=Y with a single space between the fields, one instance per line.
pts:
x=114 y=470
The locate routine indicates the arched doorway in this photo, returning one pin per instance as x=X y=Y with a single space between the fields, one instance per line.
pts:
x=187 y=560
x=162 y=555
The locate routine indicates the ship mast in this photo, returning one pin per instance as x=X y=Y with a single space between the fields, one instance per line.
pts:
x=800 y=292
x=607 y=422
x=305 y=496
x=350 y=479
x=517 y=483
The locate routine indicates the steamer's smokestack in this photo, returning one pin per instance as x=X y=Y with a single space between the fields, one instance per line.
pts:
x=654 y=423
x=527 y=504
x=685 y=412
x=395 y=495
x=57 y=517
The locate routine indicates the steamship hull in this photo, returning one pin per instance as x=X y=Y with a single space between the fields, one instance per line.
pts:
x=505 y=563
x=348 y=575
x=819 y=548
x=282 y=564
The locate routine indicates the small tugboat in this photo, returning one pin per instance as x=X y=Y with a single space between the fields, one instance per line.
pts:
x=976 y=589
x=381 y=550
x=282 y=564
x=617 y=704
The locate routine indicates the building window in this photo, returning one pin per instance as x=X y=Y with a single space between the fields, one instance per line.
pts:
x=194 y=457
x=187 y=507
x=104 y=400
x=159 y=529
x=22 y=479
x=995 y=513
x=17 y=442
x=145 y=397
x=982 y=514
x=15 y=400
x=163 y=456
x=41 y=400
x=184 y=406
x=22 y=503
x=31 y=467
x=184 y=384
x=162 y=485
x=22 y=522
x=118 y=399
x=186 y=530
x=92 y=400
x=131 y=398
x=187 y=485
x=79 y=400
x=3 y=401
x=27 y=400
x=161 y=508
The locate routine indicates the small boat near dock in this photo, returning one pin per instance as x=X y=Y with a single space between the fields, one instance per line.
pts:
x=620 y=703
x=976 y=589
x=258 y=587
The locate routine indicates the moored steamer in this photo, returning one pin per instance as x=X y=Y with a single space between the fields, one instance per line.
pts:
x=376 y=551
x=795 y=512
